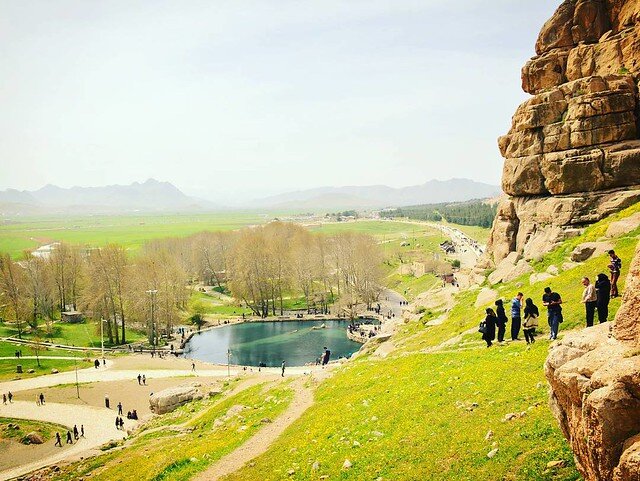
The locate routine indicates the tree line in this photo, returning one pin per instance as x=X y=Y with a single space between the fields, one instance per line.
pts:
x=260 y=266
x=478 y=213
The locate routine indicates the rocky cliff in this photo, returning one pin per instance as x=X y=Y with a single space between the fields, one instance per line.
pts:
x=572 y=155
x=595 y=380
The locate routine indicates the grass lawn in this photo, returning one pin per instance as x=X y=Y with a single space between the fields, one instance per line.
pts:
x=8 y=366
x=166 y=455
x=46 y=430
x=84 y=334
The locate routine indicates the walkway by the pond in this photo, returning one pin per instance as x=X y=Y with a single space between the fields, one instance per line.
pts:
x=99 y=428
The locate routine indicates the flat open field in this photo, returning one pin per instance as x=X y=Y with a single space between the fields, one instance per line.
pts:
x=129 y=230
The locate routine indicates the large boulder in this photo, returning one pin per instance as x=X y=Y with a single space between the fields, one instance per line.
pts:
x=572 y=154
x=595 y=390
x=169 y=399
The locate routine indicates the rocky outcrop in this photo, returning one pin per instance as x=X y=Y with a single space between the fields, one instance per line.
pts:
x=169 y=399
x=595 y=390
x=572 y=155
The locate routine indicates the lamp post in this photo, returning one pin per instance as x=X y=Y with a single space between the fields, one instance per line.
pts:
x=102 y=321
x=152 y=293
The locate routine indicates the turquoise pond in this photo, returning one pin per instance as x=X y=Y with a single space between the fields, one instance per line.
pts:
x=252 y=343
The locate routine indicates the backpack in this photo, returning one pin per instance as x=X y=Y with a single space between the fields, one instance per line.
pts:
x=482 y=328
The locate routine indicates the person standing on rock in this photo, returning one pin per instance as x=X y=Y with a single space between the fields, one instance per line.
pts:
x=531 y=314
x=614 y=267
x=603 y=294
x=589 y=299
x=501 y=320
x=516 y=309
x=490 y=321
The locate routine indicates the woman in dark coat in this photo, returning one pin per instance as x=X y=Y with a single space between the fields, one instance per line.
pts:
x=490 y=327
x=502 y=320
x=603 y=291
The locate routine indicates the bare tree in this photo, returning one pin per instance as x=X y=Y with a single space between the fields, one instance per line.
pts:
x=12 y=287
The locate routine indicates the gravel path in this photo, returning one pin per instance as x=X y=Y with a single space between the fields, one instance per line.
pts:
x=99 y=425
x=258 y=444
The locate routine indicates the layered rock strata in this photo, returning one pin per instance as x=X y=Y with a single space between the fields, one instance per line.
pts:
x=595 y=380
x=572 y=155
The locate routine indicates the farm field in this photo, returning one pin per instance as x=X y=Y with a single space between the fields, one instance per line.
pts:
x=131 y=231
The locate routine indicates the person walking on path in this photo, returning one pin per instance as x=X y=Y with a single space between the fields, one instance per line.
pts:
x=283 y=366
x=589 y=299
x=117 y=422
x=614 y=267
x=119 y=409
x=58 y=440
x=531 y=314
x=82 y=430
x=193 y=366
x=139 y=380
x=553 y=301
x=516 y=319
x=41 y=397
x=144 y=380
x=75 y=432
x=69 y=438
x=10 y=397
x=603 y=293
x=501 y=320
x=4 y=398
x=490 y=321
x=106 y=401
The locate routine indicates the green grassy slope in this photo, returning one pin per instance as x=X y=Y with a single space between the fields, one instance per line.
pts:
x=412 y=415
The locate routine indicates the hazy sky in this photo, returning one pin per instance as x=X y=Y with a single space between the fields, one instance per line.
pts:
x=246 y=98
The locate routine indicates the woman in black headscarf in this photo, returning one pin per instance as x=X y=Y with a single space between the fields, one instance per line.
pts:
x=603 y=291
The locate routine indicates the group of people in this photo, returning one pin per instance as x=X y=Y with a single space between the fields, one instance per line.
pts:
x=595 y=297
x=142 y=379
x=7 y=397
x=76 y=435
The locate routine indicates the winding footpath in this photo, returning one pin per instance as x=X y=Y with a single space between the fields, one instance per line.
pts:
x=264 y=438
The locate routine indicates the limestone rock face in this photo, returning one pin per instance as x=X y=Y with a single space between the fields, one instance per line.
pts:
x=572 y=155
x=169 y=399
x=595 y=379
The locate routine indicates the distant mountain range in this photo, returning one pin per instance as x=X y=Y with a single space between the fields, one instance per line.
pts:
x=381 y=196
x=155 y=196
x=149 y=196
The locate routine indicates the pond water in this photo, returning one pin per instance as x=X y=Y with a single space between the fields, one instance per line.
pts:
x=297 y=342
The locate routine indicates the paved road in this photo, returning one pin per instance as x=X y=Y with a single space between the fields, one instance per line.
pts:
x=99 y=426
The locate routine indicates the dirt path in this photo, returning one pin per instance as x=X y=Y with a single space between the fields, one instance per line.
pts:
x=258 y=444
x=99 y=425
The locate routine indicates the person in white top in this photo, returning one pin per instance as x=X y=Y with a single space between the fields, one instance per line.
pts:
x=589 y=299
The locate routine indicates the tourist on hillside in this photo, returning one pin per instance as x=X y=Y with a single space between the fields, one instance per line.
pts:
x=502 y=320
x=69 y=438
x=531 y=314
x=516 y=309
x=490 y=321
x=603 y=294
x=589 y=299
x=58 y=440
x=283 y=366
x=553 y=301
x=614 y=267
